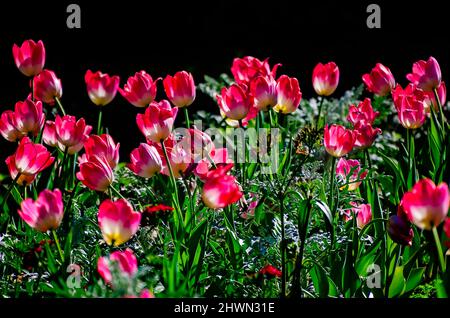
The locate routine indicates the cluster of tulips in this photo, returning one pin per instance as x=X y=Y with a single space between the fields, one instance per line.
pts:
x=255 y=90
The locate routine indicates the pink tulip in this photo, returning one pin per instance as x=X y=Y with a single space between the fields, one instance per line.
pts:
x=427 y=204
x=29 y=117
x=8 y=127
x=126 y=263
x=365 y=134
x=71 y=133
x=29 y=159
x=47 y=87
x=180 y=89
x=235 y=102
x=447 y=227
x=118 y=221
x=264 y=91
x=219 y=156
x=288 y=95
x=140 y=89
x=362 y=112
x=430 y=98
x=101 y=87
x=45 y=213
x=95 y=173
x=363 y=214
x=23 y=180
x=145 y=161
x=179 y=157
x=410 y=105
x=338 y=140
x=49 y=134
x=157 y=122
x=29 y=57
x=245 y=69
x=380 y=81
x=220 y=189
x=426 y=74
x=325 y=78
x=103 y=146
x=350 y=171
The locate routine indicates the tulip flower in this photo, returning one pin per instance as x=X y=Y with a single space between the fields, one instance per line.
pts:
x=29 y=159
x=447 y=227
x=338 y=140
x=362 y=112
x=427 y=204
x=325 y=78
x=180 y=89
x=47 y=87
x=234 y=102
x=426 y=74
x=45 y=213
x=71 y=133
x=365 y=134
x=350 y=170
x=125 y=262
x=245 y=69
x=264 y=91
x=96 y=173
x=430 y=98
x=157 y=122
x=400 y=231
x=101 y=87
x=270 y=271
x=363 y=214
x=22 y=179
x=29 y=117
x=118 y=221
x=288 y=95
x=49 y=134
x=410 y=105
x=140 y=89
x=179 y=157
x=145 y=161
x=380 y=80
x=8 y=127
x=103 y=146
x=29 y=57
x=220 y=189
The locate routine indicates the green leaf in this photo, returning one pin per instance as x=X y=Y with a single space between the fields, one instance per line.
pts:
x=414 y=278
x=320 y=280
x=398 y=283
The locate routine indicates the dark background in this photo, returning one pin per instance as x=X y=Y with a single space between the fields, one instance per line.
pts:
x=123 y=37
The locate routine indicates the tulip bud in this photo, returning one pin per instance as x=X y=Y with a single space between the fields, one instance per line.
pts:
x=362 y=112
x=49 y=134
x=145 y=161
x=71 y=134
x=126 y=262
x=29 y=57
x=410 y=105
x=234 y=102
x=246 y=69
x=338 y=140
x=350 y=170
x=8 y=127
x=103 y=146
x=400 y=231
x=365 y=134
x=380 y=81
x=430 y=98
x=157 y=122
x=140 y=89
x=220 y=189
x=47 y=87
x=101 y=87
x=325 y=78
x=96 y=174
x=180 y=89
x=29 y=117
x=288 y=95
x=264 y=91
x=426 y=74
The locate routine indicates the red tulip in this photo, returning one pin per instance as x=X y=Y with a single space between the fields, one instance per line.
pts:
x=145 y=161
x=125 y=261
x=45 y=213
x=179 y=157
x=380 y=81
x=118 y=221
x=325 y=78
x=400 y=231
x=49 y=134
x=234 y=102
x=362 y=112
x=8 y=127
x=338 y=140
x=363 y=214
x=264 y=91
x=140 y=89
x=427 y=204
x=220 y=189
x=29 y=117
x=96 y=173
x=219 y=156
x=47 y=87
x=426 y=74
x=365 y=134
x=410 y=105
x=157 y=122
x=270 y=271
x=447 y=227
x=245 y=69
x=180 y=89
x=71 y=133
x=101 y=87
x=430 y=98
x=23 y=180
x=29 y=159
x=29 y=57
x=350 y=170
x=288 y=95
x=103 y=146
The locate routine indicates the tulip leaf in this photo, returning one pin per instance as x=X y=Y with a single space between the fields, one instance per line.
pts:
x=320 y=280
x=414 y=278
x=398 y=283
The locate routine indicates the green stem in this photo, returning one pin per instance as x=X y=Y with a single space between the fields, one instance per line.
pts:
x=61 y=108
x=173 y=181
x=320 y=111
x=99 y=121
x=441 y=109
x=283 y=250
x=117 y=192
x=186 y=115
x=58 y=245
x=8 y=191
x=439 y=249
x=332 y=177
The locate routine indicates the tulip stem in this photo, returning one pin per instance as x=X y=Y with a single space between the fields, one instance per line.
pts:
x=172 y=181
x=61 y=108
x=283 y=250
x=8 y=191
x=320 y=111
x=332 y=177
x=99 y=122
x=441 y=109
x=439 y=249
x=186 y=115
x=58 y=245
x=116 y=192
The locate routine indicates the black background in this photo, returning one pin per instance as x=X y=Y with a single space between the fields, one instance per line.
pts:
x=122 y=37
